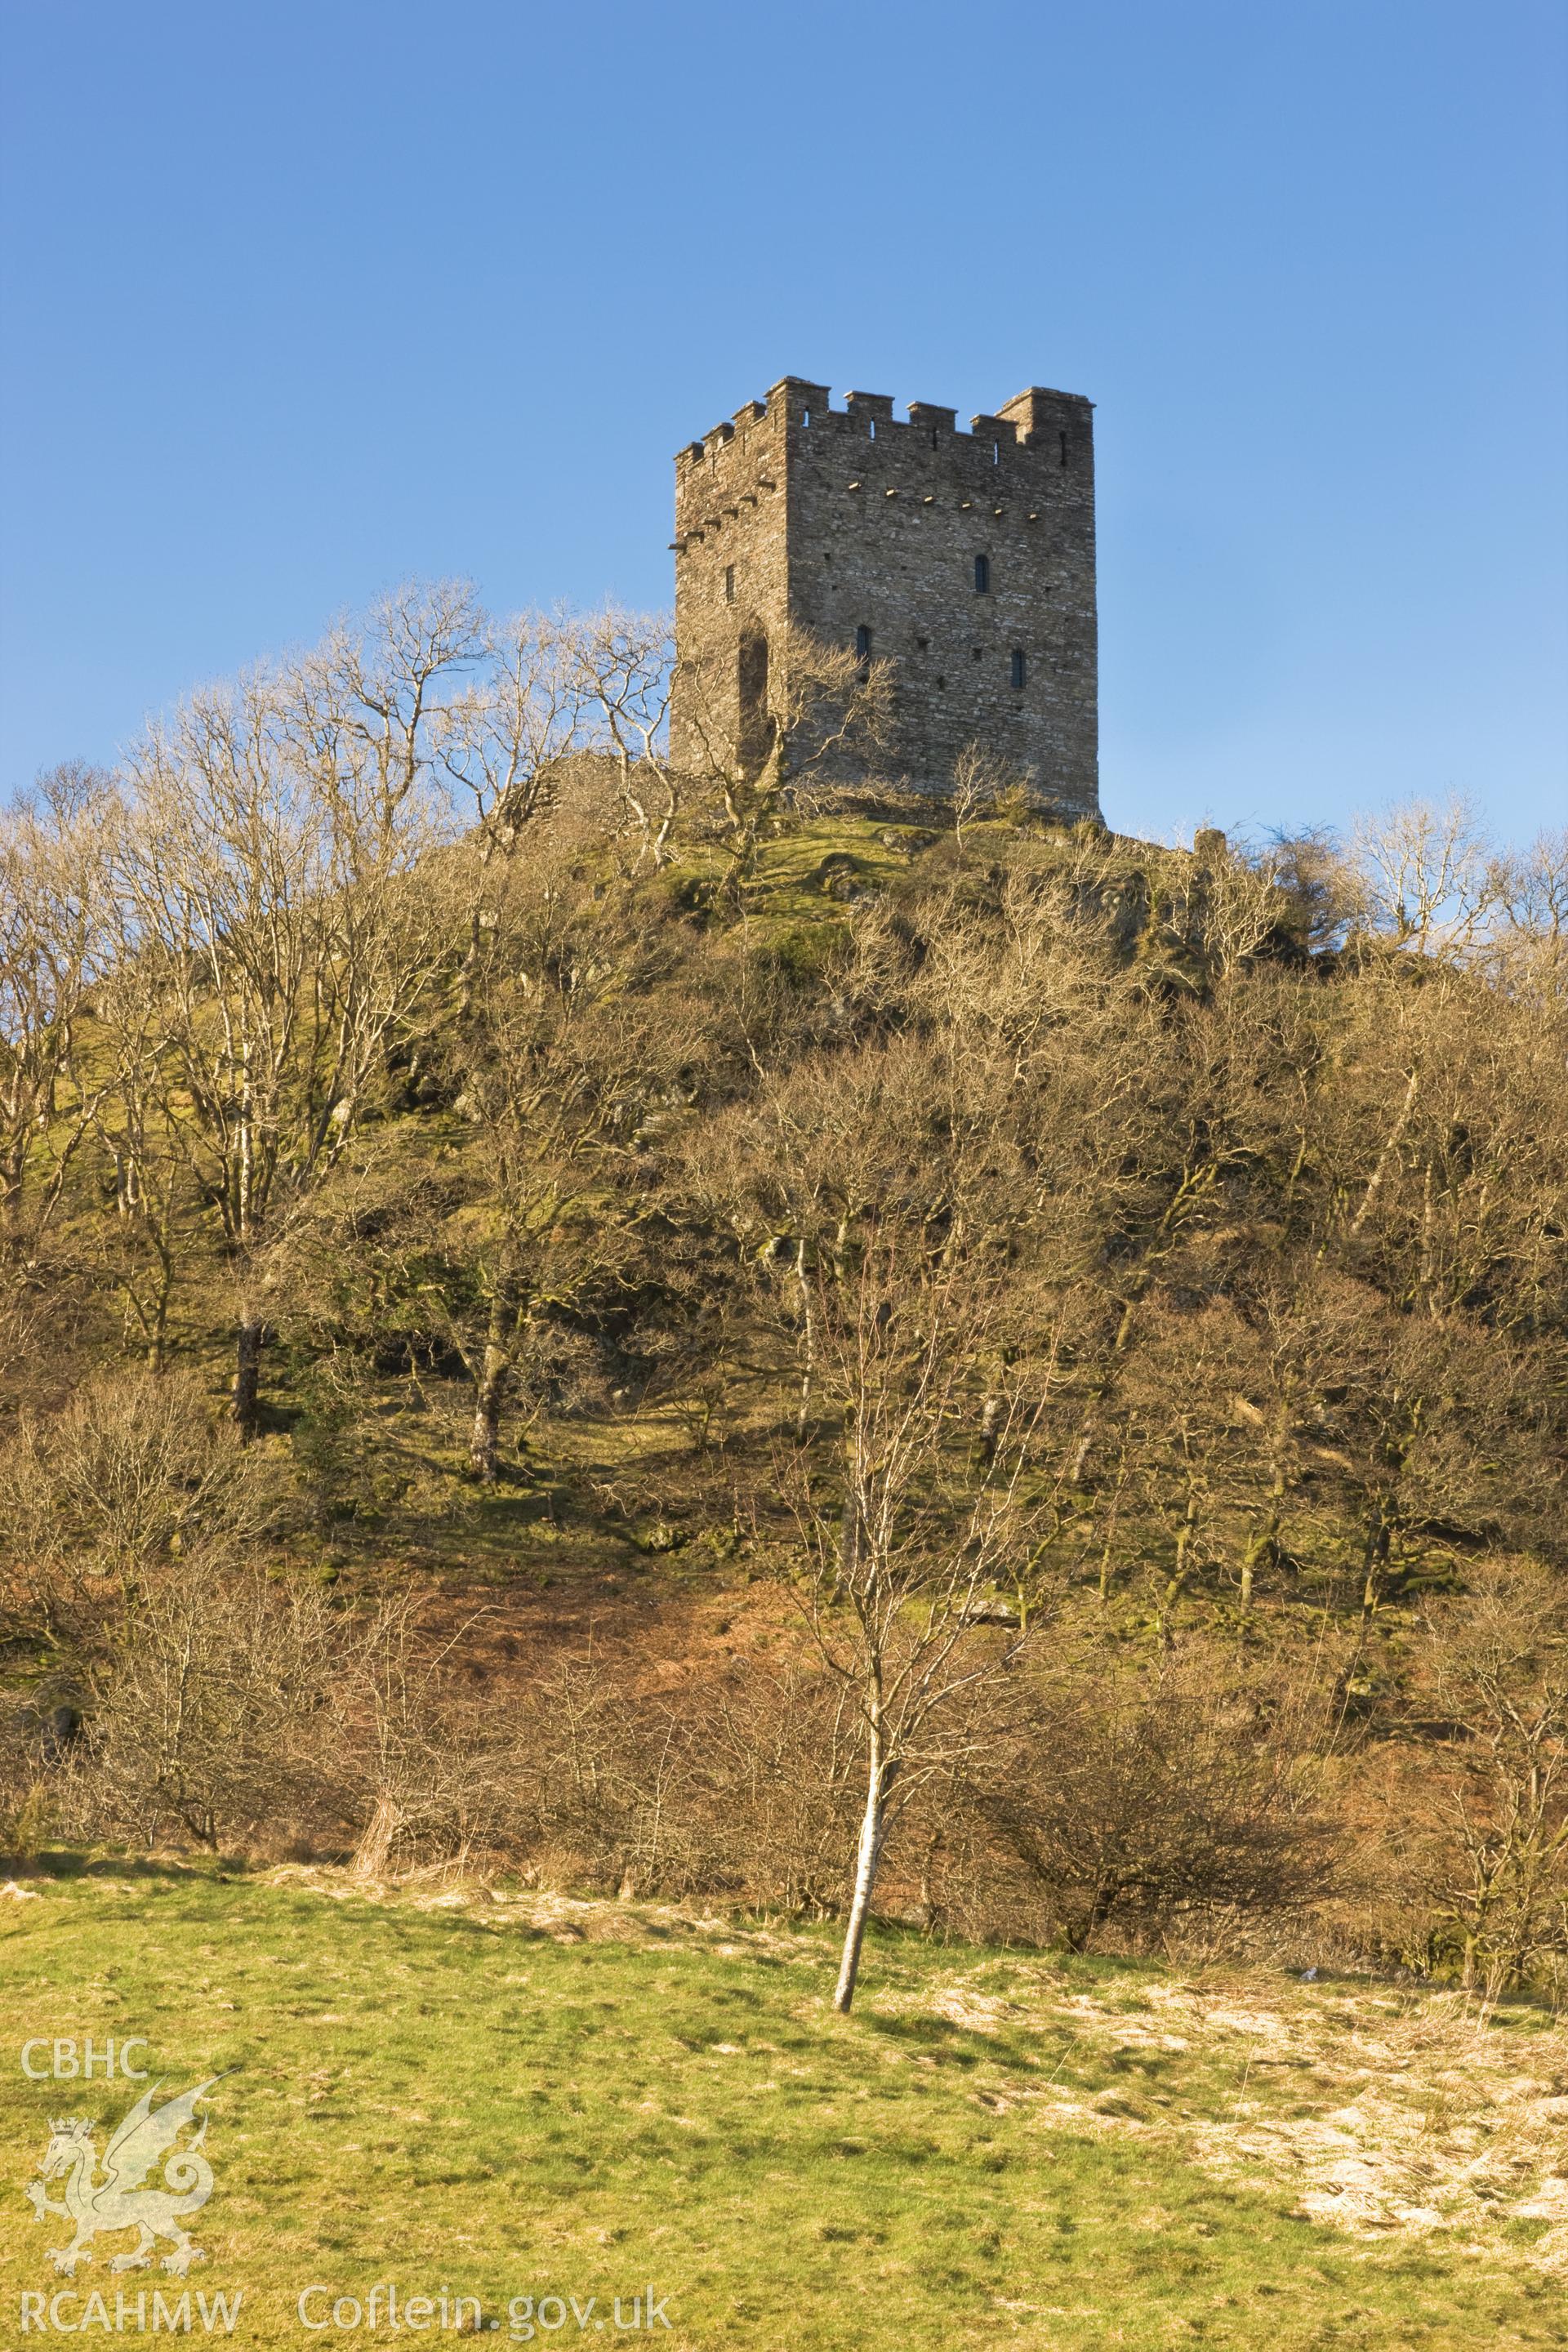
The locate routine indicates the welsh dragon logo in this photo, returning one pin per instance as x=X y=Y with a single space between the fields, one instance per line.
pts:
x=119 y=2200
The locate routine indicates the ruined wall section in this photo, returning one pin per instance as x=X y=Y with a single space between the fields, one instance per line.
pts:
x=869 y=529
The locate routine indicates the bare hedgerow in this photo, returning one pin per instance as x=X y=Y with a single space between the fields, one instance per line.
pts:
x=205 y=1711
x=132 y=1469
x=1142 y=1810
x=1467 y=1817
x=421 y=1758
x=742 y=1786
x=157 y=1654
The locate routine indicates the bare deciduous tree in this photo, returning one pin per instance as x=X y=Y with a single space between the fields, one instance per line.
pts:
x=981 y=783
x=130 y=1472
x=54 y=937
x=1499 y=1663
x=505 y=737
x=203 y=1710
x=267 y=883
x=1427 y=877
x=563 y=1057
x=1531 y=938
x=907 y=1538
x=624 y=663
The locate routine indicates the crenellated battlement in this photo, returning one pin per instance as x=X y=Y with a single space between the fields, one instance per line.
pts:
x=963 y=556
x=1027 y=423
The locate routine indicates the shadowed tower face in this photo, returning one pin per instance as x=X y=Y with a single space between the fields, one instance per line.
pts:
x=964 y=559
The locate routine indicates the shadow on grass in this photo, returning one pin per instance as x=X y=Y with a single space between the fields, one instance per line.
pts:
x=62 y=1861
x=957 y=2045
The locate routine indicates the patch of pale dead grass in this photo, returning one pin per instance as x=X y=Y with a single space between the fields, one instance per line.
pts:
x=568 y=1919
x=1423 y=2112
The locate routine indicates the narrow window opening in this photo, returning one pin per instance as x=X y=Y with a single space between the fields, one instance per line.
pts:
x=940 y=684
x=1063 y=439
x=925 y=643
x=1019 y=666
x=805 y=416
x=995 y=452
x=862 y=643
x=729 y=583
x=873 y=428
x=978 y=652
x=983 y=575
x=933 y=437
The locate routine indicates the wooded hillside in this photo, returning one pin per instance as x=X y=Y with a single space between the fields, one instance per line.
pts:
x=644 y=1328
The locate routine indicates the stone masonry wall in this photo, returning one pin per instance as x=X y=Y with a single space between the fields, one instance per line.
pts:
x=844 y=520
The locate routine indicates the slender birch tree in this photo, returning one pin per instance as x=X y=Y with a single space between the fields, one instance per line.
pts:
x=908 y=1539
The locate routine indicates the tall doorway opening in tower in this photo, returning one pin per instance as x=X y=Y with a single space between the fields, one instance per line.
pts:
x=756 y=726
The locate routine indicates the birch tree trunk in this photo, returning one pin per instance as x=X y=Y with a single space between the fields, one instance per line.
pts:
x=873 y=1834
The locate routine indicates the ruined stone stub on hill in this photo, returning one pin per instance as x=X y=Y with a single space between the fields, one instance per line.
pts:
x=965 y=559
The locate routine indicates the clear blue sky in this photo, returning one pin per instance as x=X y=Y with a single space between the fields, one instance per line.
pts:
x=301 y=300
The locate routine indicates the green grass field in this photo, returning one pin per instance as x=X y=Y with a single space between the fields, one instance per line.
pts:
x=519 y=2097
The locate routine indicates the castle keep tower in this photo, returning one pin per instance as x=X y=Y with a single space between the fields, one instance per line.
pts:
x=967 y=559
